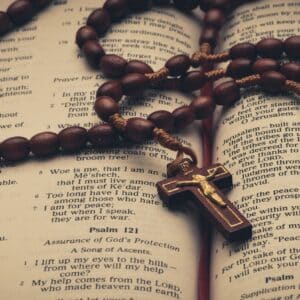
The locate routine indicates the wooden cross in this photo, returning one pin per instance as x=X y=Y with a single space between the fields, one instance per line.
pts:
x=203 y=187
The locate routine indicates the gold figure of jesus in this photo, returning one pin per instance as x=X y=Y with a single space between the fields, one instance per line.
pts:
x=206 y=187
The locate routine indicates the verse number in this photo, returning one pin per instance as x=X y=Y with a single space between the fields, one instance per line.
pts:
x=131 y=230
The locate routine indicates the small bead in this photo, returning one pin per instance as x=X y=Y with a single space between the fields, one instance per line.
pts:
x=214 y=18
x=113 y=65
x=93 y=52
x=39 y=4
x=183 y=117
x=73 y=138
x=162 y=119
x=186 y=5
x=84 y=34
x=134 y=83
x=15 y=149
x=292 y=47
x=44 y=144
x=239 y=68
x=209 y=35
x=193 y=81
x=265 y=64
x=106 y=107
x=272 y=81
x=116 y=8
x=139 y=5
x=291 y=71
x=243 y=50
x=20 y=11
x=178 y=65
x=5 y=23
x=138 y=130
x=111 y=88
x=203 y=107
x=103 y=135
x=99 y=19
x=270 y=48
x=226 y=93
x=137 y=66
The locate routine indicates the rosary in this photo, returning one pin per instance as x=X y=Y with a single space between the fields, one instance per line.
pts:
x=251 y=65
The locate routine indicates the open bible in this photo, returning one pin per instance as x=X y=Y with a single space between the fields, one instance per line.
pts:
x=91 y=226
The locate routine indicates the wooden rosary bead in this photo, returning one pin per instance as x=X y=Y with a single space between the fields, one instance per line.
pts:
x=243 y=50
x=111 y=88
x=183 y=116
x=270 y=48
x=15 y=149
x=39 y=4
x=99 y=19
x=84 y=34
x=72 y=139
x=162 y=119
x=209 y=35
x=186 y=5
x=272 y=82
x=138 y=130
x=106 y=107
x=178 y=64
x=291 y=71
x=44 y=144
x=20 y=11
x=103 y=135
x=193 y=81
x=113 y=65
x=161 y=2
x=134 y=83
x=224 y=5
x=117 y=9
x=93 y=52
x=239 y=68
x=292 y=47
x=265 y=64
x=138 y=66
x=203 y=107
x=5 y=23
x=139 y=5
x=214 y=18
x=226 y=93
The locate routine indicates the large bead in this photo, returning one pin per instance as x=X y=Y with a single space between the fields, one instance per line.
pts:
x=116 y=8
x=102 y=135
x=139 y=5
x=226 y=93
x=203 y=107
x=243 y=50
x=93 y=52
x=186 y=5
x=178 y=65
x=270 y=48
x=134 y=83
x=239 y=68
x=113 y=65
x=15 y=149
x=183 y=117
x=214 y=18
x=272 y=82
x=73 y=138
x=138 y=130
x=209 y=35
x=20 y=11
x=44 y=144
x=5 y=23
x=99 y=19
x=106 y=107
x=292 y=47
x=291 y=71
x=193 y=80
x=162 y=119
x=265 y=64
x=85 y=34
x=137 y=66
x=39 y=4
x=111 y=88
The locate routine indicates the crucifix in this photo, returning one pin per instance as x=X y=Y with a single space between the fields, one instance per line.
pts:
x=203 y=188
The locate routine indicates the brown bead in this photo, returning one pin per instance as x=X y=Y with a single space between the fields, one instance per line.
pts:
x=138 y=130
x=162 y=119
x=291 y=71
x=39 y=4
x=186 y=5
x=214 y=18
x=292 y=47
x=5 y=23
x=239 y=67
x=226 y=93
x=183 y=117
x=161 y=2
x=20 y=11
x=106 y=107
x=99 y=19
x=209 y=35
x=203 y=107
x=73 y=138
x=134 y=83
x=137 y=66
x=84 y=34
x=93 y=52
x=15 y=149
x=111 y=88
x=224 y=5
x=243 y=50
x=178 y=65
x=270 y=48
x=116 y=8
x=139 y=5
x=44 y=144
x=103 y=135
x=265 y=64
x=171 y=84
x=113 y=65
x=272 y=82
x=193 y=81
